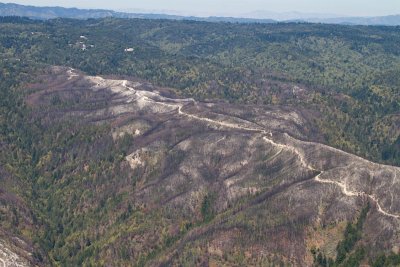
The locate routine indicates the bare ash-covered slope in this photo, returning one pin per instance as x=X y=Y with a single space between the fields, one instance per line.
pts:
x=222 y=183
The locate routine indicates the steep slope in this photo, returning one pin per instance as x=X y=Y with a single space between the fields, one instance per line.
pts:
x=131 y=174
x=329 y=160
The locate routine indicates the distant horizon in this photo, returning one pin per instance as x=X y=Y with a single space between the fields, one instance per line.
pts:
x=252 y=9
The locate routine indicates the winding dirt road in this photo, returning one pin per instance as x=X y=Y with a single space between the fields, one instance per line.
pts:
x=178 y=104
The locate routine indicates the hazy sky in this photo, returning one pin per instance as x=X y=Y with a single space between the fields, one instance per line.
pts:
x=233 y=7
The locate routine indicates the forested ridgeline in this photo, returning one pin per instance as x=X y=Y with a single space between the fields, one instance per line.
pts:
x=349 y=74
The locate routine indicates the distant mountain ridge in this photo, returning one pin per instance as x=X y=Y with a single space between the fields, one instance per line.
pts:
x=34 y=12
x=286 y=16
x=392 y=20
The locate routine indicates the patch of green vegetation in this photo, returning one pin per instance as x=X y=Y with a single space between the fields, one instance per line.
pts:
x=346 y=256
x=386 y=260
x=207 y=208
